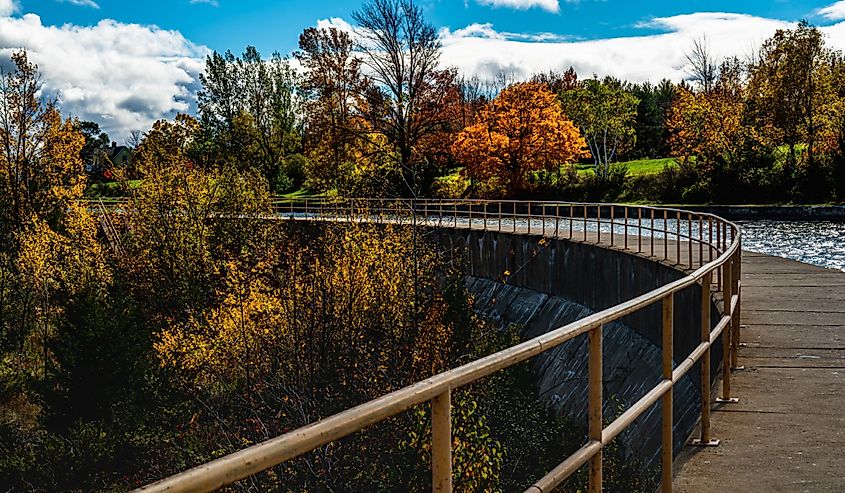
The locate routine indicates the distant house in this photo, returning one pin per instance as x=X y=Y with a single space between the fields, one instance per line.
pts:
x=110 y=156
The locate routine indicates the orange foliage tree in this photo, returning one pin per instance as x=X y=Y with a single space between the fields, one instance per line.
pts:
x=523 y=130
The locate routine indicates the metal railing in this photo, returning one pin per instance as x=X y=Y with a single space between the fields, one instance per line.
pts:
x=703 y=245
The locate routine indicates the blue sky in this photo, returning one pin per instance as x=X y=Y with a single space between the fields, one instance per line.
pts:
x=126 y=64
x=275 y=25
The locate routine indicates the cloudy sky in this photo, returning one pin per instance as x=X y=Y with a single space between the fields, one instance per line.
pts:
x=126 y=64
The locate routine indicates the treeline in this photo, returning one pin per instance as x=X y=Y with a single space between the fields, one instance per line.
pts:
x=374 y=114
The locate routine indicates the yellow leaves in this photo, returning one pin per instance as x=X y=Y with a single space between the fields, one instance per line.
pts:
x=707 y=125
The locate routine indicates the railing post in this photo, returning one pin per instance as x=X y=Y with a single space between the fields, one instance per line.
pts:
x=678 y=237
x=571 y=219
x=612 y=224
x=689 y=239
x=700 y=241
x=668 y=418
x=665 y=234
x=710 y=239
x=595 y=406
x=441 y=443
x=529 y=216
x=626 y=227
x=543 y=216
x=640 y=230
x=727 y=335
x=500 y=217
x=598 y=224
x=719 y=252
x=705 y=440
x=652 y=233
x=735 y=318
x=585 y=222
x=557 y=219
x=469 y=207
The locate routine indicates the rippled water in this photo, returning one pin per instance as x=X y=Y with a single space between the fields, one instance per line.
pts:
x=813 y=242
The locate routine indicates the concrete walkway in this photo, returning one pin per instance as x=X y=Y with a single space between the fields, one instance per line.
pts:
x=787 y=433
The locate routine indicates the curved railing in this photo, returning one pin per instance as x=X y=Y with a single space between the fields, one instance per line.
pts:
x=703 y=245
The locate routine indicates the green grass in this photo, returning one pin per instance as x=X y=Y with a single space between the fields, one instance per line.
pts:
x=108 y=188
x=636 y=167
x=298 y=193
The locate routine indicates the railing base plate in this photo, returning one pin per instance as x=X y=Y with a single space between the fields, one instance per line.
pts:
x=714 y=442
x=737 y=368
x=732 y=400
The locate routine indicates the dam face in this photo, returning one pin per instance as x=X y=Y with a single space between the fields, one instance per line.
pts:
x=542 y=284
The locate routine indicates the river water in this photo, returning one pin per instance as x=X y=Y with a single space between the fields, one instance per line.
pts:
x=813 y=242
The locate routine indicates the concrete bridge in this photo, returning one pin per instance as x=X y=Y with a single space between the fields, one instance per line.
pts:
x=671 y=275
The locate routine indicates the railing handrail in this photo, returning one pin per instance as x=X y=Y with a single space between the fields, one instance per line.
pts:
x=437 y=388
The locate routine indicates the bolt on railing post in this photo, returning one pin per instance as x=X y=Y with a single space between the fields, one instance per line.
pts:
x=441 y=443
x=727 y=334
x=595 y=406
x=668 y=418
x=706 y=439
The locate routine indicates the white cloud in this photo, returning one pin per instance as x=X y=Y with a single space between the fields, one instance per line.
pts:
x=480 y=49
x=8 y=7
x=833 y=12
x=213 y=3
x=83 y=3
x=547 y=5
x=337 y=23
x=124 y=76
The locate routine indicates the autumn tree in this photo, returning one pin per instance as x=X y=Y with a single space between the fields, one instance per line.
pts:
x=51 y=261
x=401 y=51
x=605 y=112
x=791 y=89
x=522 y=130
x=333 y=84
x=714 y=139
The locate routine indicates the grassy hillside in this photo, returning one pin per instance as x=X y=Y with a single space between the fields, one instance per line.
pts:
x=637 y=166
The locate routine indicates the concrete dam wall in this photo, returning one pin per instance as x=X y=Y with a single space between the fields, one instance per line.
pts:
x=542 y=284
